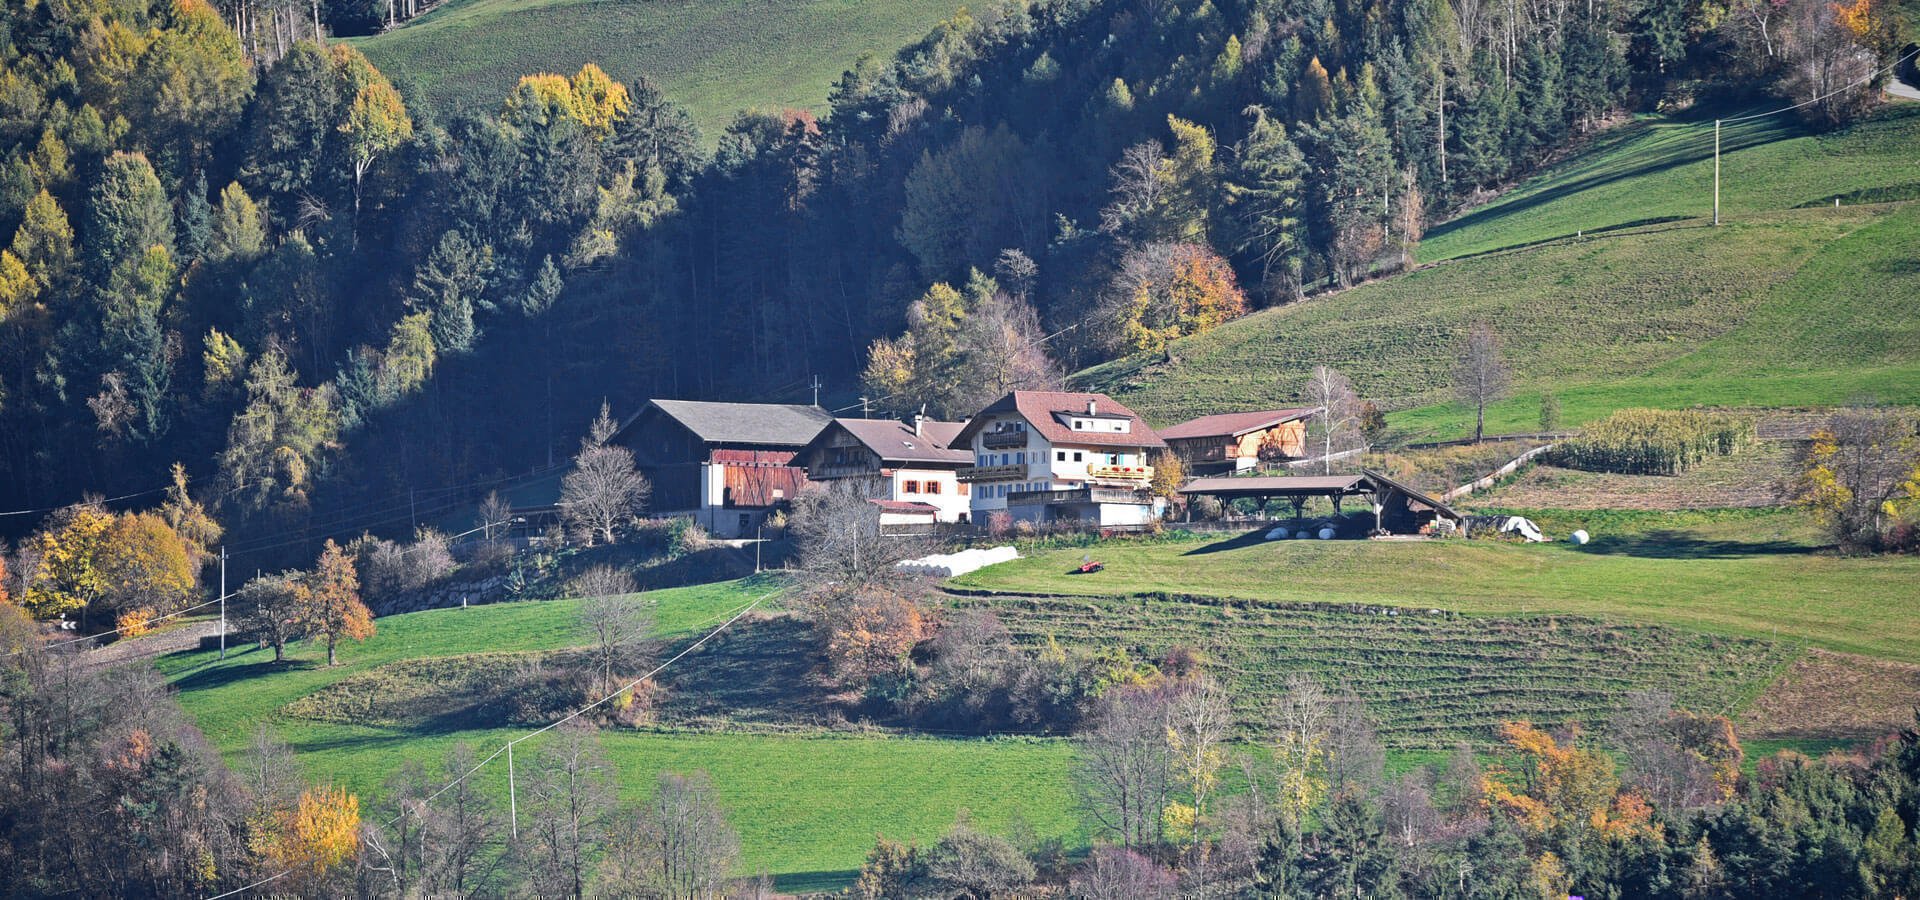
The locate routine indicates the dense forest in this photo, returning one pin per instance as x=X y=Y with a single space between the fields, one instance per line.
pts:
x=245 y=251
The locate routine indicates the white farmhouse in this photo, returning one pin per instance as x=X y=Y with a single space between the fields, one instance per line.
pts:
x=909 y=470
x=1055 y=456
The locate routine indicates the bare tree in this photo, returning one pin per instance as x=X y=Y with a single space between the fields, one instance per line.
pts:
x=1302 y=721
x=566 y=801
x=1005 y=351
x=1481 y=376
x=1125 y=772
x=1016 y=272
x=1139 y=186
x=619 y=627
x=463 y=832
x=604 y=491
x=1857 y=472
x=495 y=515
x=1199 y=719
x=1335 y=425
x=676 y=846
x=1117 y=874
x=1355 y=755
x=837 y=534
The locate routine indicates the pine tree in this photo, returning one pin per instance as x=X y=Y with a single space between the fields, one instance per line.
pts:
x=1263 y=193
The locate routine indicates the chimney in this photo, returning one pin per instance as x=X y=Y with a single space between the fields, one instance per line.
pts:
x=919 y=417
x=1093 y=408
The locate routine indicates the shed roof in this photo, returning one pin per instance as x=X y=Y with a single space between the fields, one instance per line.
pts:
x=1044 y=411
x=895 y=441
x=764 y=424
x=1277 y=485
x=1234 y=424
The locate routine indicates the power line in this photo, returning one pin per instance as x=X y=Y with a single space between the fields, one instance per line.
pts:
x=733 y=615
x=119 y=629
x=1830 y=94
x=48 y=509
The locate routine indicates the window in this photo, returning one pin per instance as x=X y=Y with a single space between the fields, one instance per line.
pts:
x=1076 y=456
x=1079 y=424
x=910 y=486
x=964 y=489
x=1020 y=458
x=933 y=487
x=1059 y=456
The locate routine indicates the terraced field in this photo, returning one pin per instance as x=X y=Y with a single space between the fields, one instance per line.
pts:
x=1431 y=679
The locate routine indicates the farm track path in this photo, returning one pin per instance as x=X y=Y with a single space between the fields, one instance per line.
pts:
x=186 y=637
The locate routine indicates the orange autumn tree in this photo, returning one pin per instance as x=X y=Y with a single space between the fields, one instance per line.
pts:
x=321 y=832
x=329 y=599
x=871 y=632
x=1547 y=786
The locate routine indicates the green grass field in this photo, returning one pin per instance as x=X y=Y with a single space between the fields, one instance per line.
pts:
x=1781 y=306
x=1749 y=573
x=807 y=806
x=716 y=57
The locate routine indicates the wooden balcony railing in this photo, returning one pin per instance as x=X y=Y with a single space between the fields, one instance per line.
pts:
x=1001 y=440
x=992 y=473
x=1120 y=473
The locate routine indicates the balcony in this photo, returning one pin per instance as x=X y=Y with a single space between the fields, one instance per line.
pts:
x=992 y=473
x=1002 y=440
x=1129 y=474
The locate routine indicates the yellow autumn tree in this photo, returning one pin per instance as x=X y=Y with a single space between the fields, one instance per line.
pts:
x=143 y=563
x=68 y=578
x=591 y=98
x=376 y=120
x=16 y=283
x=320 y=833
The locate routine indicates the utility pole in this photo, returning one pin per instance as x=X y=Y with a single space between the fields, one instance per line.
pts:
x=223 y=601
x=1716 y=172
x=863 y=406
x=816 y=390
x=412 y=511
x=513 y=801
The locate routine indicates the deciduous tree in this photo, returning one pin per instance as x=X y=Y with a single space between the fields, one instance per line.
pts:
x=328 y=599
x=604 y=491
x=1481 y=376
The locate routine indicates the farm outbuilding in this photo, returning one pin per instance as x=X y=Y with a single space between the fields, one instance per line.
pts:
x=1398 y=508
x=1236 y=442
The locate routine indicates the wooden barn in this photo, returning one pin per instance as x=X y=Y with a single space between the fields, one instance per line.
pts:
x=727 y=465
x=1236 y=442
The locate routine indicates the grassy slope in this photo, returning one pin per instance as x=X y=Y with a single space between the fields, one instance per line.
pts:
x=715 y=56
x=1429 y=681
x=1780 y=306
x=1749 y=573
x=807 y=806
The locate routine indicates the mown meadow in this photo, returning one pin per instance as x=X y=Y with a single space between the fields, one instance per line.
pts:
x=1747 y=573
x=1790 y=302
x=716 y=57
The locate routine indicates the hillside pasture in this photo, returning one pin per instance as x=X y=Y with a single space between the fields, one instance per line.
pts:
x=716 y=57
x=1750 y=573
x=1780 y=306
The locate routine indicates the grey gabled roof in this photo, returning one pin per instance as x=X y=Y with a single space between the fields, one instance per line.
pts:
x=895 y=441
x=763 y=424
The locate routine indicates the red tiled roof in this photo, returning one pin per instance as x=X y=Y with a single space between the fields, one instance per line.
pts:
x=1042 y=409
x=1233 y=424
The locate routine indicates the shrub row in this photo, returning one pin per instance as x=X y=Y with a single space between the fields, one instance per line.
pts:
x=1654 y=441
